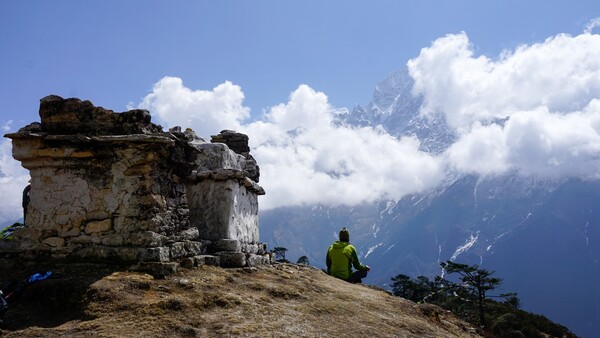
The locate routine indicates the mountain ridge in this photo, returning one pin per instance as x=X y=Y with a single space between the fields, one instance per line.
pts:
x=283 y=300
x=468 y=218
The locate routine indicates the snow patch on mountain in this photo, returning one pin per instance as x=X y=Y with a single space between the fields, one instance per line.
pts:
x=388 y=249
x=375 y=229
x=418 y=201
x=587 y=237
x=529 y=214
x=371 y=249
x=469 y=242
x=389 y=208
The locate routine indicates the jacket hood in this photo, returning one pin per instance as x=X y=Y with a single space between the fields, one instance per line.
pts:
x=339 y=244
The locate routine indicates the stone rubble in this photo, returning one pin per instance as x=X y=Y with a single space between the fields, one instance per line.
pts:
x=109 y=186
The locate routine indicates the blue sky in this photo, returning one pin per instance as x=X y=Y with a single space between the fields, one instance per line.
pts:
x=267 y=67
x=111 y=52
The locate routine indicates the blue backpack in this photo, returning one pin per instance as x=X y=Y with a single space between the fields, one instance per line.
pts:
x=7 y=233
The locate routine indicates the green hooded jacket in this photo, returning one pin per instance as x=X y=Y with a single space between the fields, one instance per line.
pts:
x=341 y=256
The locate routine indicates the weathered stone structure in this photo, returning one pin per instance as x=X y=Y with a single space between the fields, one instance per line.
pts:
x=114 y=187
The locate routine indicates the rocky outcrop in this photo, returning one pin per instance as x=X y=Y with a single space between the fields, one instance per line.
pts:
x=114 y=186
x=239 y=143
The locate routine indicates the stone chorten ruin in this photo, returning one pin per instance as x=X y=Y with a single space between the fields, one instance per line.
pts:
x=109 y=186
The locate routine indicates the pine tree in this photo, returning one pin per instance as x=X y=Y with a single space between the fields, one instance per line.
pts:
x=477 y=281
x=303 y=260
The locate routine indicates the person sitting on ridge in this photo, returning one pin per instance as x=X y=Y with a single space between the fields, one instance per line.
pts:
x=341 y=256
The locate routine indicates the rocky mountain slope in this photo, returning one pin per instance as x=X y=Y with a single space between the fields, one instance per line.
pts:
x=532 y=232
x=283 y=300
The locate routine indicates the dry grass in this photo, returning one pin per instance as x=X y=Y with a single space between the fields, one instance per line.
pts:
x=274 y=301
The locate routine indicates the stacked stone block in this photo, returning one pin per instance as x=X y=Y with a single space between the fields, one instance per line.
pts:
x=114 y=187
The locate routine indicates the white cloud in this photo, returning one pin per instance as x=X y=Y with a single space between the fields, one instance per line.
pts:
x=208 y=111
x=561 y=73
x=13 y=178
x=555 y=145
x=594 y=23
x=306 y=159
x=323 y=163
x=306 y=108
x=483 y=150
x=7 y=125
x=534 y=110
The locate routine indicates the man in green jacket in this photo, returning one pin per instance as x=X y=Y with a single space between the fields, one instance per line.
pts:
x=341 y=256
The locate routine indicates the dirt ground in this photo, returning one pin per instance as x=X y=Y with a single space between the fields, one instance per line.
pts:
x=284 y=300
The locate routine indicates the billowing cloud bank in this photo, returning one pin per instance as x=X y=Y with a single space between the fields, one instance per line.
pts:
x=534 y=110
x=203 y=110
x=304 y=157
